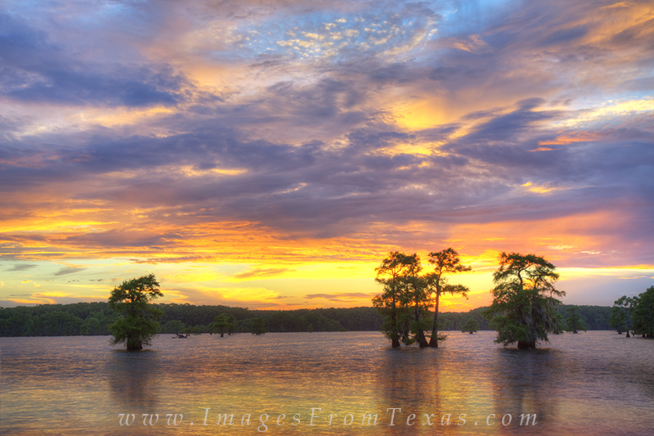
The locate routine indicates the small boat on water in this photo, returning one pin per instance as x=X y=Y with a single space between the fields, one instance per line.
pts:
x=181 y=336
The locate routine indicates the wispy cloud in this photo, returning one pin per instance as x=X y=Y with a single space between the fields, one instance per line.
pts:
x=262 y=272
x=68 y=270
x=22 y=267
x=341 y=297
x=290 y=133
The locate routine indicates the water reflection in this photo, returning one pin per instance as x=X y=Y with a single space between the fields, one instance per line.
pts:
x=447 y=389
x=134 y=379
x=526 y=382
x=579 y=384
x=405 y=389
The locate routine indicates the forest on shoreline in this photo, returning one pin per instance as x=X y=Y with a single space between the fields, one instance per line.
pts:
x=95 y=318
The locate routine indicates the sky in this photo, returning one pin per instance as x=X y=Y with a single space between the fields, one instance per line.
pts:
x=270 y=154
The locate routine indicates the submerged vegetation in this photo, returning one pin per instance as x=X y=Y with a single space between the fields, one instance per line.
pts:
x=224 y=322
x=523 y=308
x=622 y=312
x=445 y=262
x=574 y=324
x=634 y=314
x=644 y=314
x=259 y=327
x=137 y=323
x=407 y=310
x=471 y=326
x=407 y=295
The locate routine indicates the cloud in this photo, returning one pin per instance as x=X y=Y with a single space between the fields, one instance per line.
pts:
x=340 y=297
x=256 y=273
x=167 y=136
x=565 y=36
x=121 y=238
x=22 y=267
x=257 y=298
x=68 y=270
x=12 y=303
x=37 y=71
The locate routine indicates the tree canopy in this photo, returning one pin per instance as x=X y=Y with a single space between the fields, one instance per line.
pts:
x=224 y=322
x=138 y=323
x=523 y=299
x=573 y=322
x=445 y=262
x=392 y=303
x=625 y=309
x=416 y=295
x=258 y=326
x=471 y=325
x=618 y=319
x=643 y=315
x=406 y=297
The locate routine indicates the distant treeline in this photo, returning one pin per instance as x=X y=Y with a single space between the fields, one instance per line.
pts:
x=94 y=319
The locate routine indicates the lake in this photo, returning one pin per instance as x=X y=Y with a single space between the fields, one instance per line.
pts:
x=594 y=383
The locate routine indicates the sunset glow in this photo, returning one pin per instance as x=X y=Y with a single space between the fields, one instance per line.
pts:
x=270 y=155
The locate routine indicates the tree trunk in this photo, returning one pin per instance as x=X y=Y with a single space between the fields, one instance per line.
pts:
x=134 y=345
x=422 y=340
x=524 y=345
x=395 y=336
x=433 y=342
x=420 y=335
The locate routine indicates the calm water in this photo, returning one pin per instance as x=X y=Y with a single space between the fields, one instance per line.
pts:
x=595 y=383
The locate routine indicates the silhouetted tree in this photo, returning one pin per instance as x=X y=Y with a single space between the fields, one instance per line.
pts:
x=258 y=326
x=644 y=314
x=391 y=303
x=174 y=326
x=445 y=262
x=471 y=325
x=558 y=324
x=220 y=324
x=138 y=324
x=574 y=322
x=231 y=324
x=405 y=299
x=617 y=319
x=627 y=305
x=416 y=295
x=523 y=299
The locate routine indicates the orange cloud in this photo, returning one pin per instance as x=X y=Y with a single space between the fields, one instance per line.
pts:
x=569 y=138
x=544 y=149
x=561 y=240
